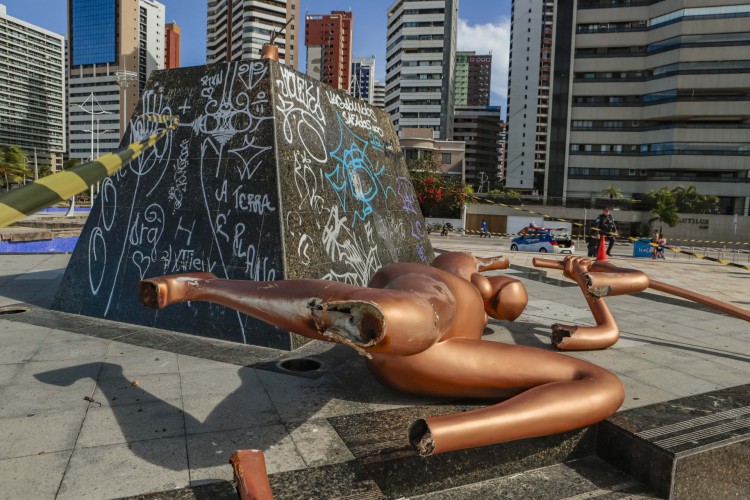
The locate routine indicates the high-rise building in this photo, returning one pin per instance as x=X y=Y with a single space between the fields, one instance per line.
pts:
x=32 y=90
x=113 y=47
x=378 y=93
x=172 y=46
x=237 y=29
x=473 y=79
x=529 y=75
x=481 y=128
x=462 y=77
x=329 y=40
x=642 y=95
x=363 y=78
x=420 y=65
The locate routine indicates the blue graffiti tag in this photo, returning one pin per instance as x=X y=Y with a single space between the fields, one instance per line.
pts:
x=355 y=175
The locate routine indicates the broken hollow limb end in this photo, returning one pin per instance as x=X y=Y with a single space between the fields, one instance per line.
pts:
x=352 y=322
x=158 y=293
x=560 y=333
x=420 y=437
x=251 y=475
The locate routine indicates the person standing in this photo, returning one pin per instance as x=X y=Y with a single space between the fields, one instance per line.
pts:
x=592 y=240
x=655 y=245
x=606 y=225
x=662 y=243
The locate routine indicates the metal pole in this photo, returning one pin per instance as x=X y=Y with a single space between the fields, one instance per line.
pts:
x=36 y=169
x=91 y=188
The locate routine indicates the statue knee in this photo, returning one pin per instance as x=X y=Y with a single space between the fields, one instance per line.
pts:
x=508 y=300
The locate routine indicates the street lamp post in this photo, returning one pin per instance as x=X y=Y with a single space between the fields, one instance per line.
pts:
x=124 y=78
x=92 y=157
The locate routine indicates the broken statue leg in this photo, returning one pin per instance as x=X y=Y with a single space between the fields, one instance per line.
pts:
x=393 y=321
x=596 y=280
x=549 y=392
x=251 y=475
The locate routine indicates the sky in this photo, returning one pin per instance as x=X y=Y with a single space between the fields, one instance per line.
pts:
x=484 y=26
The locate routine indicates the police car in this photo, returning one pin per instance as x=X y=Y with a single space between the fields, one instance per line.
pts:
x=543 y=240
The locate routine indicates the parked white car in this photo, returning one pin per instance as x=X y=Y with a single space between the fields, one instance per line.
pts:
x=543 y=240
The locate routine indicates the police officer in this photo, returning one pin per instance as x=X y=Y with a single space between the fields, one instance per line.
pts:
x=606 y=225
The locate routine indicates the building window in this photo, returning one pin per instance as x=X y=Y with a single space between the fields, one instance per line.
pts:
x=446 y=158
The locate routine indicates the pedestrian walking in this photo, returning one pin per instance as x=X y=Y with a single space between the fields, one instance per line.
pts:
x=485 y=233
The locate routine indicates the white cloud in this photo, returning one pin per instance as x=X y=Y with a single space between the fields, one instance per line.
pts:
x=486 y=38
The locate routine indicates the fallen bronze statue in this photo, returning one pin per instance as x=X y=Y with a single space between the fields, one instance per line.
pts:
x=420 y=328
x=602 y=279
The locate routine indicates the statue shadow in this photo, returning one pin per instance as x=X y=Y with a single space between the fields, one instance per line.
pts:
x=143 y=416
x=245 y=418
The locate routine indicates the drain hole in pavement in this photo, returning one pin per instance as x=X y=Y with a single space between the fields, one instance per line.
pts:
x=13 y=310
x=300 y=365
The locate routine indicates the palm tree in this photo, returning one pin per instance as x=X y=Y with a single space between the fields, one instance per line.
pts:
x=12 y=164
x=612 y=192
x=665 y=208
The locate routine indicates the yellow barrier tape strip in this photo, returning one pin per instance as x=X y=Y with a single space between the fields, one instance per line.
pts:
x=26 y=200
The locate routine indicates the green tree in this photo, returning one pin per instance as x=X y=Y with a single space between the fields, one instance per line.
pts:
x=690 y=201
x=663 y=207
x=439 y=195
x=612 y=192
x=12 y=164
x=504 y=195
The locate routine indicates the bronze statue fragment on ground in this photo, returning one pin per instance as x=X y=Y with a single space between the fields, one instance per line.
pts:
x=420 y=328
x=599 y=279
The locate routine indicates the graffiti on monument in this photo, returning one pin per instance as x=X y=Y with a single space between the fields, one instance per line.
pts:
x=339 y=151
x=268 y=175
x=196 y=201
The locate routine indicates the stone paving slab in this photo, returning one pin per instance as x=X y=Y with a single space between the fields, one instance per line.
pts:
x=196 y=397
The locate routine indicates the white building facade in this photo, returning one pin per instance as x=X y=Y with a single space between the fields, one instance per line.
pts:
x=420 y=65
x=32 y=90
x=237 y=29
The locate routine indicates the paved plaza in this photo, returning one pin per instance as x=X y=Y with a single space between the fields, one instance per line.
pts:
x=97 y=409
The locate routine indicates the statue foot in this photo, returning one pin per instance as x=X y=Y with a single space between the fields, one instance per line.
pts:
x=352 y=322
x=158 y=293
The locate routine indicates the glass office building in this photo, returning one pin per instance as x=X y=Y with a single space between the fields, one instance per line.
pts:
x=94 y=32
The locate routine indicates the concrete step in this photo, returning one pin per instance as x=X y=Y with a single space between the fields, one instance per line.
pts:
x=586 y=478
x=692 y=447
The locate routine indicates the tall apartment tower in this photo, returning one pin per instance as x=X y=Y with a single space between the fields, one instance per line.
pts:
x=32 y=93
x=659 y=95
x=529 y=77
x=481 y=128
x=113 y=47
x=640 y=95
x=237 y=29
x=329 y=39
x=363 y=78
x=172 y=46
x=420 y=65
x=473 y=79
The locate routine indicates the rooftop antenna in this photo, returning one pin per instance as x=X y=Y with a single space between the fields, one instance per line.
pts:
x=270 y=50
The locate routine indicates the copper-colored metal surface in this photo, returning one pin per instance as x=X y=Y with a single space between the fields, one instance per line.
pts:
x=701 y=299
x=597 y=279
x=251 y=475
x=270 y=52
x=421 y=328
x=601 y=279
